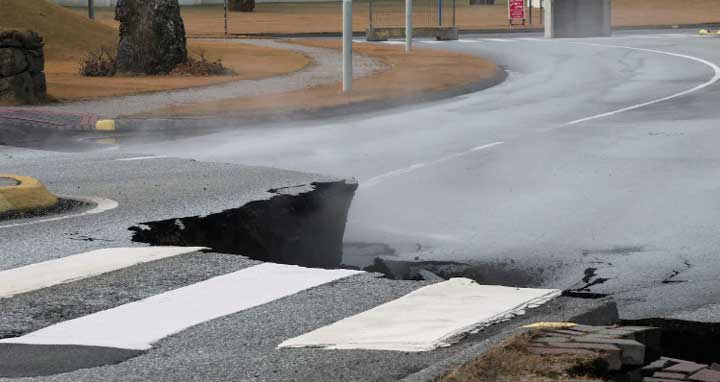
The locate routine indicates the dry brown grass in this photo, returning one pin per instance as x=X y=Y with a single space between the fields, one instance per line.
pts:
x=512 y=362
x=69 y=36
x=247 y=61
x=326 y=17
x=408 y=75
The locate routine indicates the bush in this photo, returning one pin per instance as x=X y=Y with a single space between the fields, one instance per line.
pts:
x=99 y=63
x=201 y=66
x=242 y=5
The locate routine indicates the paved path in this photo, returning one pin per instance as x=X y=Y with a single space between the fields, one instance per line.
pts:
x=325 y=70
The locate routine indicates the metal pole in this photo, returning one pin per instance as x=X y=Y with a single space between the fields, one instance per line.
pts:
x=226 y=17
x=91 y=9
x=408 y=25
x=370 y=14
x=347 y=46
x=440 y=12
x=454 y=5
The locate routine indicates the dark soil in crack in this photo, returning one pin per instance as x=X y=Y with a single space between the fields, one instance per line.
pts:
x=296 y=226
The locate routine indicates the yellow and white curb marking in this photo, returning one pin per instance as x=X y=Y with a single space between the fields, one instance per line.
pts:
x=105 y=125
x=27 y=194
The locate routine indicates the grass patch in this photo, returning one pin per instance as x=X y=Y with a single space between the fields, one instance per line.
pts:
x=511 y=361
x=69 y=36
x=408 y=75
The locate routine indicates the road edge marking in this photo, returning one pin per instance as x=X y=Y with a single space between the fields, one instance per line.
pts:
x=371 y=182
x=712 y=81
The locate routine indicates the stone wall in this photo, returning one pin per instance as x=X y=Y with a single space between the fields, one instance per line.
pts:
x=22 y=65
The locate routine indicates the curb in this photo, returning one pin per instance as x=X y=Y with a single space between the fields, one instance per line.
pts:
x=200 y=122
x=564 y=309
x=27 y=194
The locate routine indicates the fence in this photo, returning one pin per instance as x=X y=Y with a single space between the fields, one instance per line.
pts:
x=426 y=13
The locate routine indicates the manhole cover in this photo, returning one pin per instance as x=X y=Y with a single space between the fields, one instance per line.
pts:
x=4 y=182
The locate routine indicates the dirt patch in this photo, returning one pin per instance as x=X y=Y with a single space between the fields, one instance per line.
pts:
x=285 y=18
x=249 y=62
x=409 y=75
x=512 y=361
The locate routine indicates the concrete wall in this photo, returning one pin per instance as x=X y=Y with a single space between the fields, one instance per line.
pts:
x=577 y=18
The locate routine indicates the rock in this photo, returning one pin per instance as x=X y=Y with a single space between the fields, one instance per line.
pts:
x=22 y=63
x=19 y=87
x=39 y=83
x=152 y=36
x=12 y=62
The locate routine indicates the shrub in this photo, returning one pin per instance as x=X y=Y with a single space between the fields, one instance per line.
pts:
x=201 y=66
x=99 y=63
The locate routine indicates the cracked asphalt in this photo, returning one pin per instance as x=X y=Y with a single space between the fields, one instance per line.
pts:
x=624 y=204
x=632 y=194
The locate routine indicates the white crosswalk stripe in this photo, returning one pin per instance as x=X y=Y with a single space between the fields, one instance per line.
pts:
x=138 y=325
x=77 y=267
x=440 y=311
x=429 y=318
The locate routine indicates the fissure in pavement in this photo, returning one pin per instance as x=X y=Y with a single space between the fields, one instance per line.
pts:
x=297 y=226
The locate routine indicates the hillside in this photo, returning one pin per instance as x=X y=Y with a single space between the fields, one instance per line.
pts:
x=68 y=35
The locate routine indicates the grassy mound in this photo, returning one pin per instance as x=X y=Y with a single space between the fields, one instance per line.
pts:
x=68 y=35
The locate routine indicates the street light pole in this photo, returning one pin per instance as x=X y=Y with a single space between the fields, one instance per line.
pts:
x=347 y=46
x=408 y=25
x=226 y=17
x=91 y=9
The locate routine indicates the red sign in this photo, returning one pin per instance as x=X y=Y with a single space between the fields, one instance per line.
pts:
x=516 y=9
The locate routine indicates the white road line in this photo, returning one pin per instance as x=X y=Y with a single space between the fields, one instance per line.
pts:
x=431 y=41
x=498 y=39
x=431 y=317
x=393 y=42
x=139 y=324
x=380 y=178
x=468 y=41
x=713 y=80
x=530 y=39
x=102 y=205
x=140 y=158
x=77 y=267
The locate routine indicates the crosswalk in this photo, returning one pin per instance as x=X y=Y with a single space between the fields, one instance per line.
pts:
x=510 y=40
x=429 y=317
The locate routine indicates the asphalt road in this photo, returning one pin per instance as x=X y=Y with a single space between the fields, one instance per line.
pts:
x=503 y=176
x=499 y=178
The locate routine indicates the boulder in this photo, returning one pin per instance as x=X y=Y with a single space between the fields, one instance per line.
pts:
x=12 y=62
x=152 y=36
x=17 y=88
x=22 y=63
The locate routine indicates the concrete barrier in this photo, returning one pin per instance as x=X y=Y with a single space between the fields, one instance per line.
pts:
x=577 y=18
x=385 y=33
